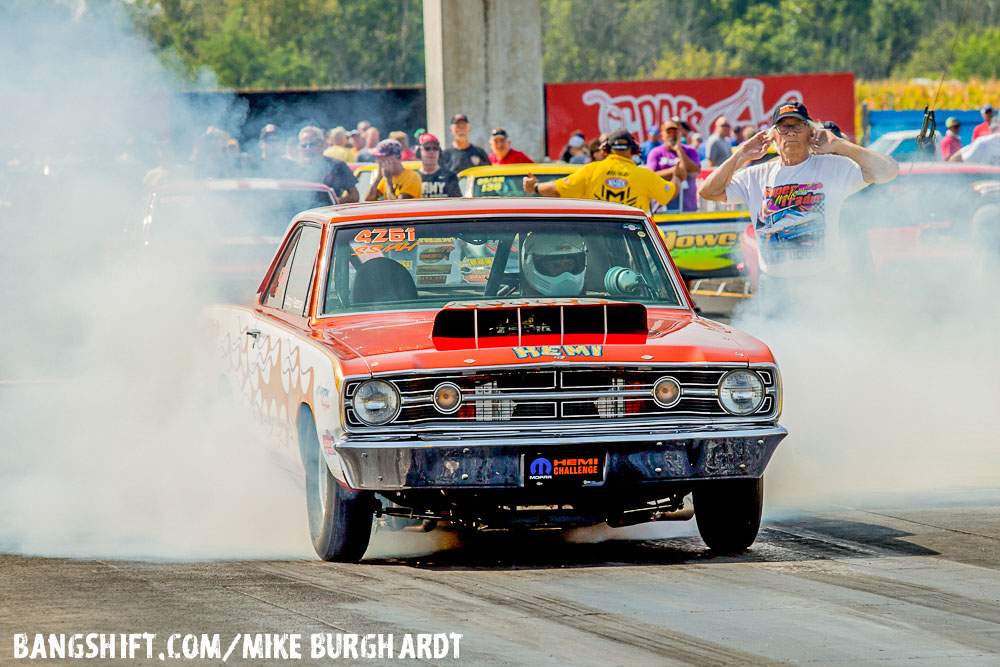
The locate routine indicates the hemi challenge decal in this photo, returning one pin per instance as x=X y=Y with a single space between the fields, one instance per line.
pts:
x=558 y=351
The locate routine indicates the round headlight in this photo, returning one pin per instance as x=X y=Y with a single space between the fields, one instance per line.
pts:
x=376 y=402
x=666 y=392
x=447 y=397
x=741 y=392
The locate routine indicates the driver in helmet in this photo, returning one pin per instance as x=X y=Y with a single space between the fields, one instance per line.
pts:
x=553 y=264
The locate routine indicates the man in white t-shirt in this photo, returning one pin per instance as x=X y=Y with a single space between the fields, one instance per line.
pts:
x=796 y=200
x=984 y=150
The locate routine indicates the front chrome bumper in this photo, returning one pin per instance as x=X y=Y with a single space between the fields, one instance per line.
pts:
x=395 y=462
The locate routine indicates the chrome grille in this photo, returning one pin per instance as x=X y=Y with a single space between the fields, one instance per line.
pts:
x=603 y=393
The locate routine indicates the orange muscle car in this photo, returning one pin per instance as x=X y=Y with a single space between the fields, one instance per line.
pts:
x=498 y=363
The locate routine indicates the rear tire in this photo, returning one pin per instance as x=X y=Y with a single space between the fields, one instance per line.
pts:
x=340 y=519
x=728 y=512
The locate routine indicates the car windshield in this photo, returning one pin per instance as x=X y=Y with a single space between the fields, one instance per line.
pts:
x=226 y=214
x=507 y=185
x=429 y=264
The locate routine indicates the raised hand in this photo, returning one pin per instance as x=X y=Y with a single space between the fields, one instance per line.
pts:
x=756 y=146
x=824 y=141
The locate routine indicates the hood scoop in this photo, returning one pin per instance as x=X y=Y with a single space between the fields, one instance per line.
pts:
x=516 y=322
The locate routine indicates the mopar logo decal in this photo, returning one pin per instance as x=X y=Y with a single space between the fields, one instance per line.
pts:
x=540 y=468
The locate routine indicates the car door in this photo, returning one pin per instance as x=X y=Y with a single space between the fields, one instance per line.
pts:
x=280 y=325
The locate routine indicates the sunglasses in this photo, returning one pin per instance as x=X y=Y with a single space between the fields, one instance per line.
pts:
x=310 y=144
x=430 y=148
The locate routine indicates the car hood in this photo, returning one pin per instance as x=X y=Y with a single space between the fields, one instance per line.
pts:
x=389 y=342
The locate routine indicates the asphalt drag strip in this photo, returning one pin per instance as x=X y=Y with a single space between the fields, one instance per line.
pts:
x=886 y=582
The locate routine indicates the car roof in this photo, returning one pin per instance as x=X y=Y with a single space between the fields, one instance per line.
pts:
x=947 y=168
x=513 y=169
x=221 y=184
x=467 y=206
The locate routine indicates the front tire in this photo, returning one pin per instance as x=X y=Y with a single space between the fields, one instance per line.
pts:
x=340 y=519
x=728 y=512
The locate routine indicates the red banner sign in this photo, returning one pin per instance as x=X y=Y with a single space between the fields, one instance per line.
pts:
x=598 y=108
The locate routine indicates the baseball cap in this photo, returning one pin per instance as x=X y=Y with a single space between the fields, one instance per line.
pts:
x=388 y=148
x=458 y=118
x=789 y=110
x=498 y=132
x=652 y=129
x=682 y=123
x=952 y=122
x=268 y=130
x=428 y=138
x=833 y=127
x=987 y=107
x=621 y=139
x=576 y=141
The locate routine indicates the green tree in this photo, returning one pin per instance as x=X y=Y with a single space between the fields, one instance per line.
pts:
x=977 y=53
x=287 y=43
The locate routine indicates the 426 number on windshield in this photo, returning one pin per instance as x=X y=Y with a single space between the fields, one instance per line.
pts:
x=386 y=234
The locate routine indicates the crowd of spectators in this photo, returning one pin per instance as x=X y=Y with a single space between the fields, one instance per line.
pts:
x=672 y=150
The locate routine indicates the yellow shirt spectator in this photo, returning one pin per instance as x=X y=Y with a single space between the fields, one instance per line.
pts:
x=617 y=179
x=406 y=183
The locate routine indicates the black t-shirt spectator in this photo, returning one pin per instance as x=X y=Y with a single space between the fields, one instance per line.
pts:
x=457 y=159
x=330 y=172
x=442 y=183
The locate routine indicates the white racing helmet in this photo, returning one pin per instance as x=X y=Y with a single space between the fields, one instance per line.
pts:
x=554 y=264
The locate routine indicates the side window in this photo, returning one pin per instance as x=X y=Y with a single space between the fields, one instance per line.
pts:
x=301 y=272
x=275 y=293
x=289 y=287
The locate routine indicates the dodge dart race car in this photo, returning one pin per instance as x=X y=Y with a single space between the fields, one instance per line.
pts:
x=499 y=364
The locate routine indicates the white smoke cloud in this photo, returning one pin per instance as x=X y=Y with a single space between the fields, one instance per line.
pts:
x=107 y=448
x=891 y=380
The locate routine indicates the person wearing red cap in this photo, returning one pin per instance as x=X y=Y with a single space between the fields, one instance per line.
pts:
x=462 y=153
x=402 y=183
x=502 y=152
x=438 y=182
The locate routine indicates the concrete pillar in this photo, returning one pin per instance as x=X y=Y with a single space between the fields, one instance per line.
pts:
x=484 y=59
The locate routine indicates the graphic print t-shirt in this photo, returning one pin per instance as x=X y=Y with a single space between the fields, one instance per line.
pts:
x=442 y=183
x=797 y=210
x=617 y=179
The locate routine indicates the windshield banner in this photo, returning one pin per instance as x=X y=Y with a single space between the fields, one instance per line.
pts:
x=601 y=107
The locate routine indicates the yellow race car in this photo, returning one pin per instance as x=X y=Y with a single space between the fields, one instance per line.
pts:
x=506 y=180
